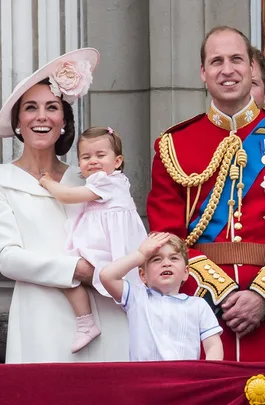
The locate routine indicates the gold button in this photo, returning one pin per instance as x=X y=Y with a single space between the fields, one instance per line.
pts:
x=216 y=275
x=238 y=226
x=211 y=271
x=237 y=239
x=207 y=267
x=240 y=264
x=263 y=279
x=237 y=215
x=221 y=280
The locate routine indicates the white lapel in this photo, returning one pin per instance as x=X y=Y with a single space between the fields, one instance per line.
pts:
x=12 y=177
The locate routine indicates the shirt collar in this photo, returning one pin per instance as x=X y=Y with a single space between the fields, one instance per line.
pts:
x=237 y=121
x=152 y=292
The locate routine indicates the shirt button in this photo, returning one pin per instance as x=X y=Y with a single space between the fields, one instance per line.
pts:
x=237 y=239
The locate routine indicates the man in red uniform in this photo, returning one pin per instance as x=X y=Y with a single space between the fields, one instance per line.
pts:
x=206 y=188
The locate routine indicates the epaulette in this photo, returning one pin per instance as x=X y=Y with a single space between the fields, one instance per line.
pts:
x=182 y=124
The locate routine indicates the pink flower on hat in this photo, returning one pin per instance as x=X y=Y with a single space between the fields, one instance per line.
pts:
x=71 y=80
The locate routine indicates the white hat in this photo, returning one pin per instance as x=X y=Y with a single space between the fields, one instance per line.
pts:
x=70 y=76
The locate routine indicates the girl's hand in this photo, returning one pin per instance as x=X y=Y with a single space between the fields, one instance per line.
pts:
x=153 y=242
x=45 y=180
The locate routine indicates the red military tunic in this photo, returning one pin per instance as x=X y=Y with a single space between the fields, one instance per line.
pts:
x=195 y=142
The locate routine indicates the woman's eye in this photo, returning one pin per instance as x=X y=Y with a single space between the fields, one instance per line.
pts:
x=52 y=107
x=30 y=107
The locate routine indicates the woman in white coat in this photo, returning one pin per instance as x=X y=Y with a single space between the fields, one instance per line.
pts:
x=32 y=234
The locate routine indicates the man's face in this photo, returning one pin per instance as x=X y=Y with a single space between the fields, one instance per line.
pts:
x=257 y=89
x=227 y=71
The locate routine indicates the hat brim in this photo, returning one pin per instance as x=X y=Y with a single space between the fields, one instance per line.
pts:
x=90 y=54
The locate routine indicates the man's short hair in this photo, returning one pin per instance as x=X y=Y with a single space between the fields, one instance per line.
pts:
x=222 y=28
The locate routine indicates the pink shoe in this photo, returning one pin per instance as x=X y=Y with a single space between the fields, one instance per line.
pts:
x=87 y=330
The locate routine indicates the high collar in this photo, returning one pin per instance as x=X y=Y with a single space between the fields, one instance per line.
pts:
x=237 y=121
x=181 y=297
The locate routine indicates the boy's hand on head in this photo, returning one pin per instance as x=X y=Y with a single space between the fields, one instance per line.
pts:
x=153 y=242
x=45 y=179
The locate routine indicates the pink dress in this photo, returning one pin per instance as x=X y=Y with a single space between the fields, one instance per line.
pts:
x=107 y=228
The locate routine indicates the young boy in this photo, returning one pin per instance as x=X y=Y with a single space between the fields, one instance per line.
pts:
x=163 y=324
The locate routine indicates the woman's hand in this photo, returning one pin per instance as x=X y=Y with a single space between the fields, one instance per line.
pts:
x=84 y=271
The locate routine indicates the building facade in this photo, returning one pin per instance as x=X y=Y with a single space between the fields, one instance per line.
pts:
x=148 y=77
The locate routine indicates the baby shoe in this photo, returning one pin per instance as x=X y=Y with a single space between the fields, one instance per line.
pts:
x=87 y=330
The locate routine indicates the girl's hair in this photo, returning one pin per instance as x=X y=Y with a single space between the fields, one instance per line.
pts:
x=64 y=142
x=96 y=132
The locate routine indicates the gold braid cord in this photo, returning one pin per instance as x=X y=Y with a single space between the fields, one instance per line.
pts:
x=258 y=283
x=229 y=148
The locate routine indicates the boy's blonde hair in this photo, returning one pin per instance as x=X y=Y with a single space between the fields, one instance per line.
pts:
x=178 y=244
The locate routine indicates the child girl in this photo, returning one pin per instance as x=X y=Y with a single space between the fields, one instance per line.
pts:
x=107 y=227
x=163 y=324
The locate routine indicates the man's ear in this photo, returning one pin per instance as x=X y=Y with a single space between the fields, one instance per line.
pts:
x=203 y=76
x=142 y=275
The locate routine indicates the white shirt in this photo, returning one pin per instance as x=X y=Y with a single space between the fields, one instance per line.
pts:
x=166 y=327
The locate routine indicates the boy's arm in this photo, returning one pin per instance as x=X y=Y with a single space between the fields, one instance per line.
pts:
x=65 y=194
x=213 y=347
x=111 y=276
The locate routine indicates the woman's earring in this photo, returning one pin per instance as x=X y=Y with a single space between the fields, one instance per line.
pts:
x=18 y=131
x=62 y=132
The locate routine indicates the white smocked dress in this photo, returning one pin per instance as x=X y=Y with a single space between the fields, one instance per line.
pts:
x=108 y=228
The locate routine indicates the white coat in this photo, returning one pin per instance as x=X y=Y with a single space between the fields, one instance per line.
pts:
x=41 y=320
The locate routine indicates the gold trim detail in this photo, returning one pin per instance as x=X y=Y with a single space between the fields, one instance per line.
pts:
x=258 y=284
x=230 y=148
x=237 y=121
x=201 y=292
x=255 y=390
x=211 y=277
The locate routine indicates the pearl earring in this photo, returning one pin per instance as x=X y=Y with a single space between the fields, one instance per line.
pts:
x=18 y=131
x=62 y=132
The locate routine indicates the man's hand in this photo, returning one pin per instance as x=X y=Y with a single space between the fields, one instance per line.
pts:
x=243 y=311
x=84 y=271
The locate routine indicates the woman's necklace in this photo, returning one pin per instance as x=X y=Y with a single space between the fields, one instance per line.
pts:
x=39 y=174
x=32 y=173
